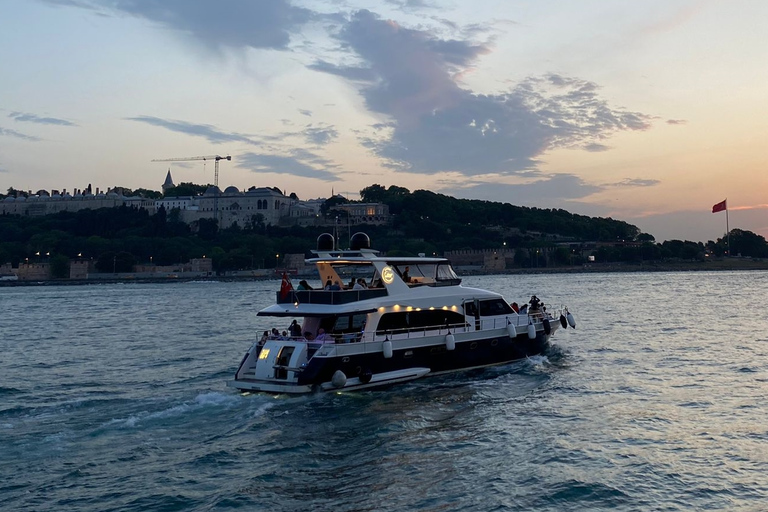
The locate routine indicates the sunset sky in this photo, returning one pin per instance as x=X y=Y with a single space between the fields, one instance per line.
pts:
x=648 y=112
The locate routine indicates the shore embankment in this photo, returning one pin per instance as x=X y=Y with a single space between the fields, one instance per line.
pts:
x=725 y=264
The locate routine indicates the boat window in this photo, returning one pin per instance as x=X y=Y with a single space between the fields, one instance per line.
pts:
x=494 y=307
x=351 y=323
x=445 y=272
x=470 y=309
x=405 y=320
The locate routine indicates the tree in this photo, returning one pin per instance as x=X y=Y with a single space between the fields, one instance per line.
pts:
x=186 y=189
x=59 y=266
x=111 y=262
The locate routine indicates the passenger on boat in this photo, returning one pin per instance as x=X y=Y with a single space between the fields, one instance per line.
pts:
x=264 y=338
x=322 y=337
x=336 y=286
x=295 y=329
x=303 y=285
x=309 y=336
x=406 y=275
x=275 y=333
x=359 y=284
x=515 y=307
x=328 y=285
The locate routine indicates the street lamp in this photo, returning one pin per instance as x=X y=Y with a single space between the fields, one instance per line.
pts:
x=277 y=260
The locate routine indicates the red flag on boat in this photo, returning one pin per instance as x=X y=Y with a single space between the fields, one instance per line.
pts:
x=285 y=286
x=719 y=207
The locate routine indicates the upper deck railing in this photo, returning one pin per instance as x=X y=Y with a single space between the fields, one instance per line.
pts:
x=329 y=296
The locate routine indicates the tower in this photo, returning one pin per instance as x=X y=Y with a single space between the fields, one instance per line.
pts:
x=168 y=182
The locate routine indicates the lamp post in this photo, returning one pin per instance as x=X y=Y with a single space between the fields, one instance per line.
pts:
x=277 y=261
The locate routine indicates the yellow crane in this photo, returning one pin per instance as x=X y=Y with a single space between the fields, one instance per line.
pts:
x=216 y=158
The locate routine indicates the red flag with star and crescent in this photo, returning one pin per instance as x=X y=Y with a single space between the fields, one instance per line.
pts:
x=719 y=207
x=285 y=286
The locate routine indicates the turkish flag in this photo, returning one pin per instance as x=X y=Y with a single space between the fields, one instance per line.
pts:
x=285 y=286
x=719 y=207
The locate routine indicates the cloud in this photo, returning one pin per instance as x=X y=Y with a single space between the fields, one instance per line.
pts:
x=554 y=188
x=412 y=77
x=634 y=182
x=209 y=132
x=4 y=132
x=299 y=163
x=320 y=135
x=305 y=112
x=234 y=23
x=32 y=118
x=676 y=121
x=594 y=147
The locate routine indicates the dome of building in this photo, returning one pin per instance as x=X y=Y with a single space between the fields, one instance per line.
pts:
x=21 y=199
x=56 y=196
x=9 y=199
x=231 y=190
x=212 y=191
x=112 y=194
x=32 y=198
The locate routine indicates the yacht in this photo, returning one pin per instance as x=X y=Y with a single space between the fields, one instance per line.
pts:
x=380 y=320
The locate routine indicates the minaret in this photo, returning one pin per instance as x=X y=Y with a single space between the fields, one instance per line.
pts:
x=168 y=182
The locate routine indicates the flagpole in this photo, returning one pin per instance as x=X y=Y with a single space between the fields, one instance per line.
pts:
x=727 y=226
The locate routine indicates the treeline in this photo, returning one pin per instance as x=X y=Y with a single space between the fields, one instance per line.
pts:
x=422 y=222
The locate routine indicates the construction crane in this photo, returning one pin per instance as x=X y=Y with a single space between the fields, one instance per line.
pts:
x=216 y=158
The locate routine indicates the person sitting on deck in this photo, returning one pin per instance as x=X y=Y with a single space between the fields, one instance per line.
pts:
x=303 y=285
x=322 y=337
x=328 y=285
x=336 y=286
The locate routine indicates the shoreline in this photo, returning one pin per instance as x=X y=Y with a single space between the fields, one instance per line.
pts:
x=592 y=268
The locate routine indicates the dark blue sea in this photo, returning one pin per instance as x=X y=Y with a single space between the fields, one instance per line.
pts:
x=113 y=398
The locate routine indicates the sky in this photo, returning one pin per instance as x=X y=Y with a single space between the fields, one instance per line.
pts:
x=647 y=112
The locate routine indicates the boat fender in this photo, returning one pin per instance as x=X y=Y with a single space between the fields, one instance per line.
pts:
x=365 y=376
x=531 y=331
x=386 y=347
x=450 y=342
x=571 y=320
x=547 y=327
x=511 y=330
x=563 y=321
x=339 y=380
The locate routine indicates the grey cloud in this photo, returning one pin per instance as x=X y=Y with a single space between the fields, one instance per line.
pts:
x=320 y=135
x=594 y=147
x=547 y=192
x=409 y=75
x=635 y=182
x=305 y=112
x=361 y=74
x=296 y=165
x=32 y=118
x=4 y=132
x=201 y=130
x=676 y=121
x=234 y=23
